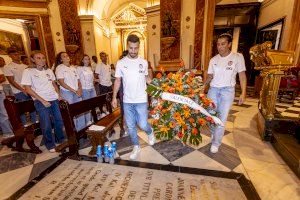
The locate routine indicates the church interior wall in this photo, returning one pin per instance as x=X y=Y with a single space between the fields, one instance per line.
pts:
x=273 y=10
x=102 y=41
x=87 y=28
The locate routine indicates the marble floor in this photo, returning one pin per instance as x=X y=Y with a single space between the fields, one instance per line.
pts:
x=242 y=152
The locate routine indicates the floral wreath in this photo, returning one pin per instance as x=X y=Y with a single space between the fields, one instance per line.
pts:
x=171 y=119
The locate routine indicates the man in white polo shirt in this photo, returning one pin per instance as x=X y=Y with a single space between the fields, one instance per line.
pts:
x=222 y=72
x=13 y=72
x=134 y=73
x=103 y=71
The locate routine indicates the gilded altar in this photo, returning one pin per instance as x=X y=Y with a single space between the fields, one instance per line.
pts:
x=272 y=64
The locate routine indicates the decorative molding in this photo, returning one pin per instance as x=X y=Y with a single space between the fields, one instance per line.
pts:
x=152 y=9
x=25 y=3
x=23 y=11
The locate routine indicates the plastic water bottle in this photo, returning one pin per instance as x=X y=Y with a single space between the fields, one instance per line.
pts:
x=111 y=156
x=106 y=153
x=114 y=149
x=99 y=154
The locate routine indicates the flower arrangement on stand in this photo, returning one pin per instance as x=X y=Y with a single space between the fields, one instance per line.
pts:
x=171 y=119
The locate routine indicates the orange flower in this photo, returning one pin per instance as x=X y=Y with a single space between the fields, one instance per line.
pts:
x=171 y=90
x=172 y=125
x=184 y=127
x=159 y=75
x=201 y=121
x=155 y=122
x=194 y=131
x=191 y=120
x=170 y=75
x=176 y=115
x=186 y=113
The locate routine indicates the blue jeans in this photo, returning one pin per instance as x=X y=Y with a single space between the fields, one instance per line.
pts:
x=4 y=122
x=87 y=94
x=223 y=98
x=48 y=116
x=136 y=113
x=23 y=97
x=71 y=97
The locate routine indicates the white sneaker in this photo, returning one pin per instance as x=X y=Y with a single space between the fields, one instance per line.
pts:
x=214 y=149
x=52 y=150
x=136 y=150
x=151 y=139
x=102 y=115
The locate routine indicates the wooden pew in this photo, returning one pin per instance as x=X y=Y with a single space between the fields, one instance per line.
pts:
x=69 y=111
x=14 y=110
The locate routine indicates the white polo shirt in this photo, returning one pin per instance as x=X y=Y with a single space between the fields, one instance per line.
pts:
x=104 y=74
x=133 y=73
x=86 y=76
x=69 y=74
x=40 y=82
x=15 y=70
x=224 y=69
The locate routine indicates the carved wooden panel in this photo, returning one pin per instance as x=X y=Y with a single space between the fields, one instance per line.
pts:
x=48 y=39
x=170 y=13
x=199 y=30
x=72 y=29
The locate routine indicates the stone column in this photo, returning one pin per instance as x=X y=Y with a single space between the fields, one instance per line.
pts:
x=153 y=34
x=71 y=29
x=49 y=47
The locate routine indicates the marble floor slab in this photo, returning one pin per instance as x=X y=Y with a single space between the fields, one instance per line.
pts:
x=90 y=180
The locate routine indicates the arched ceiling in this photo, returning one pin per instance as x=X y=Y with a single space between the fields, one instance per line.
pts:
x=105 y=9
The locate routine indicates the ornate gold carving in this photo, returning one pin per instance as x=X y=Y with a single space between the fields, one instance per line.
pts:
x=272 y=64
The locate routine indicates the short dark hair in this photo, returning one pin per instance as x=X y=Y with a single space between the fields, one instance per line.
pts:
x=227 y=36
x=124 y=53
x=133 y=38
x=101 y=53
x=11 y=51
x=58 y=60
x=23 y=57
x=95 y=59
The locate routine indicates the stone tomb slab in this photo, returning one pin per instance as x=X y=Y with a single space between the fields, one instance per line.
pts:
x=90 y=180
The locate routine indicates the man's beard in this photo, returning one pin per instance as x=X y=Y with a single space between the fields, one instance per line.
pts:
x=133 y=55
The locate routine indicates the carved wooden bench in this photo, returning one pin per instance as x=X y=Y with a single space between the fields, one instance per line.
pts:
x=70 y=111
x=14 y=110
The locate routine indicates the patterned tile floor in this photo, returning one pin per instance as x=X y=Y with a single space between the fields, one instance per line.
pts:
x=19 y=168
x=291 y=110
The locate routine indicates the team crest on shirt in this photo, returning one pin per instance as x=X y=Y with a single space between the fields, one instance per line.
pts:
x=49 y=77
x=230 y=63
x=141 y=69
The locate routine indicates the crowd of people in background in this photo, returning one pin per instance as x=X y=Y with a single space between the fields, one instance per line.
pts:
x=31 y=79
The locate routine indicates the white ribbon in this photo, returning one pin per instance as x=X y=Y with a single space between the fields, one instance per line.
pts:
x=190 y=103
